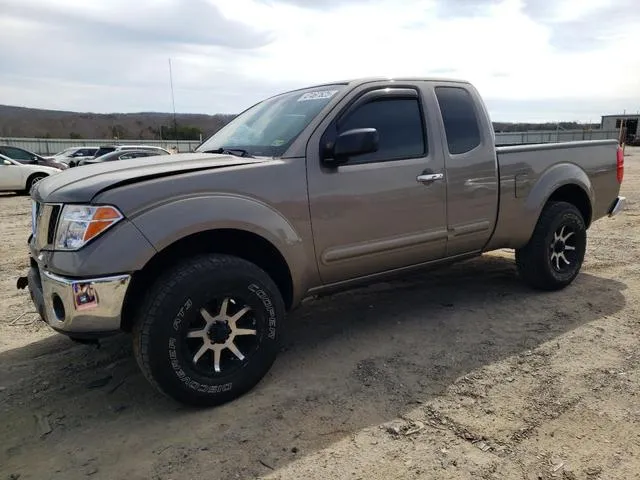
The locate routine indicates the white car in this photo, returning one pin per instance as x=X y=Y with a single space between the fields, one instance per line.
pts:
x=19 y=177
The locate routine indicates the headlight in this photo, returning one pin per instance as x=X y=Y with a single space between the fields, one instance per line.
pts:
x=79 y=224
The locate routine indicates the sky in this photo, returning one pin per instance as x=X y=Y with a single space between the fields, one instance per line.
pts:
x=531 y=60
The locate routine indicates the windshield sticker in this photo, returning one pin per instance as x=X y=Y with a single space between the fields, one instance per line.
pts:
x=277 y=143
x=319 y=95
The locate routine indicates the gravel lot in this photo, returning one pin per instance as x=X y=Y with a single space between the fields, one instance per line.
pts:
x=461 y=373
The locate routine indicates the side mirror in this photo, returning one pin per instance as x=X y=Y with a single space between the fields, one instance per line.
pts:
x=350 y=144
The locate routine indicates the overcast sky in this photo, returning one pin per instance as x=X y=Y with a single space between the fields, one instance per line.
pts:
x=531 y=59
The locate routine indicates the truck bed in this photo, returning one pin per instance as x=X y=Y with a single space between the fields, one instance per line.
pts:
x=520 y=169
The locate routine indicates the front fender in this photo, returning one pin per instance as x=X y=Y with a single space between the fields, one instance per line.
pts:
x=550 y=181
x=165 y=224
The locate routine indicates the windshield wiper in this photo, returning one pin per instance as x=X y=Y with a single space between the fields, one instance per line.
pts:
x=238 y=152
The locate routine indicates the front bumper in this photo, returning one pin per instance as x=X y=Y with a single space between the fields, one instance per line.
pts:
x=617 y=206
x=82 y=308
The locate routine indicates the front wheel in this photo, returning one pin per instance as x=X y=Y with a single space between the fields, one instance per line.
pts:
x=553 y=257
x=208 y=329
x=33 y=180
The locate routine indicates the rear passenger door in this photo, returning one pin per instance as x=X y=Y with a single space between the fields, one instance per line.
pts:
x=472 y=170
x=373 y=214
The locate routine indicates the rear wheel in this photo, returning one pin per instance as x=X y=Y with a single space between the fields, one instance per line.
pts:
x=208 y=329
x=554 y=255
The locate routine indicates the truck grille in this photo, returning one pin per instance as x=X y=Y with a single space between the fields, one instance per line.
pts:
x=44 y=218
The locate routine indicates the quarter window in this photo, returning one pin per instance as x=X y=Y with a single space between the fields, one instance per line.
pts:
x=459 y=118
x=399 y=125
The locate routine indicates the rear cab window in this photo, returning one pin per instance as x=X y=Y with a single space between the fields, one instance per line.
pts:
x=459 y=117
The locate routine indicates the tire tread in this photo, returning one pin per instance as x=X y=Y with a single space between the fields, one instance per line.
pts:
x=150 y=310
x=528 y=259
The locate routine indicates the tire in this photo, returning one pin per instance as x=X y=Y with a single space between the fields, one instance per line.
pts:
x=32 y=180
x=173 y=309
x=547 y=262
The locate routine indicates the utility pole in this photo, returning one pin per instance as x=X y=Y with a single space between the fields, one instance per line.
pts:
x=622 y=138
x=173 y=101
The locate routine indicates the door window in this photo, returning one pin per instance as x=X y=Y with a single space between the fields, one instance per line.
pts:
x=399 y=125
x=16 y=153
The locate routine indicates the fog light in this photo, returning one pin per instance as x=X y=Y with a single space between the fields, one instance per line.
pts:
x=58 y=307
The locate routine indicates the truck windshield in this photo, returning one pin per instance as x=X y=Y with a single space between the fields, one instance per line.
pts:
x=269 y=128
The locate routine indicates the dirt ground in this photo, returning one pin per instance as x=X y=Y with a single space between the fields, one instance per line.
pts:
x=461 y=373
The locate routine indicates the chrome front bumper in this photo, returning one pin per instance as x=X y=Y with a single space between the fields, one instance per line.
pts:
x=618 y=206
x=80 y=308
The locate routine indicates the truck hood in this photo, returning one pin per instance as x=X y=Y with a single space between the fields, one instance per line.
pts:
x=81 y=184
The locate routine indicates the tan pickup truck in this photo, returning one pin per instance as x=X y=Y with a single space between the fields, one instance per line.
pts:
x=201 y=255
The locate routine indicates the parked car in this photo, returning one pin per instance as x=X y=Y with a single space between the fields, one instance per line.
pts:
x=21 y=177
x=148 y=148
x=103 y=150
x=26 y=157
x=306 y=193
x=74 y=153
x=120 y=155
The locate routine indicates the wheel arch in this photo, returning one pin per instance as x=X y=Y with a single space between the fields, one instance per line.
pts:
x=562 y=182
x=576 y=196
x=32 y=176
x=241 y=243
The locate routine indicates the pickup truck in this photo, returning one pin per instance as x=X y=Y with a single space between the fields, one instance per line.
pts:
x=306 y=193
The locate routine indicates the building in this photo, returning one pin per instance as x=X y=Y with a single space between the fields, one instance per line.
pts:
x=630 y=123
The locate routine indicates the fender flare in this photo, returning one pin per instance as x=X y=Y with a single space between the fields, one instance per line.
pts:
x=195 y=214
x=554 y=178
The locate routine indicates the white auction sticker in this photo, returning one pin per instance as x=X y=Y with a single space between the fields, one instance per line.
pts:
x=320 y=95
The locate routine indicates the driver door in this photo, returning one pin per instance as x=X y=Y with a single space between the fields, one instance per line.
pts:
x=378 y=212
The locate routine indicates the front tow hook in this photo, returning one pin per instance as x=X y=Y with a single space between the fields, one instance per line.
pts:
x=22 y=283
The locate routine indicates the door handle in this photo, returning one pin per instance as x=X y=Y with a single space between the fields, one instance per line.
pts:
x=429 y=177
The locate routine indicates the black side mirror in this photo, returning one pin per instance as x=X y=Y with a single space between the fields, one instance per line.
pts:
x=351 y=143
